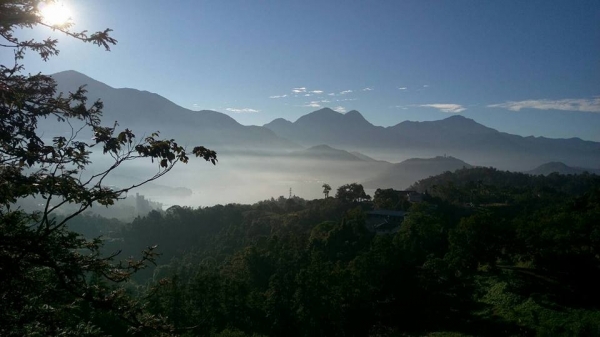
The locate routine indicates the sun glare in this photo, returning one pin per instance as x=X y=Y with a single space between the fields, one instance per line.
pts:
x=54 y=13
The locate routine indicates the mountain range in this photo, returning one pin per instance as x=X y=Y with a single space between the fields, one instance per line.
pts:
x=455 y=136
x=146 y=112
x=561 y=168
x=402 y=175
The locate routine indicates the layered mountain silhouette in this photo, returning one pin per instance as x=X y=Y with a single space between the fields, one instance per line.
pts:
x=402 y=175
x=326 y=126
x=326 y=152
x=146 y=112
x=561 y=168
x=456 y=135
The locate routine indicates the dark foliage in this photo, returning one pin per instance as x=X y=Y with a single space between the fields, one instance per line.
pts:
x=517 y=264
x=55 y=281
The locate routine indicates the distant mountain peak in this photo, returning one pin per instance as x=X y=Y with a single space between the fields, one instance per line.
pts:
x=331 y=118
x=354 y=115
x=70 y=73
x=150 y=112
x=456 y=124
x=323 y=111
x=76 y=79
x=278 y=122
x=561 y=168
x=325 y=115
x=437 y=159
x=460 y=119
x=554 y=164
x=321 y=147
x=403 y=174
x=281 y=120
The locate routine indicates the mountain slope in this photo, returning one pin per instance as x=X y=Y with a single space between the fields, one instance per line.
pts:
x=145 y=112
x=455 y=135
x=558 y=167
x=402 y=175
x=364 y=157
x=325 y=152
x=326 y=126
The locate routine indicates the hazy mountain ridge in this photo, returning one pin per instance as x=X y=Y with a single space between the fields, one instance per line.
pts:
x=146 y=112
x=326 y=126
x=404 y=174
x=455 y=135
x=458 y=136
x=326 y=152
x=561 y=168
x=365 y=157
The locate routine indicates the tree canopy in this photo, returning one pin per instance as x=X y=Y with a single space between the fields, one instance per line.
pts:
x=326 y=190
x=351 y=193
x=520 y=264
x=390 y=199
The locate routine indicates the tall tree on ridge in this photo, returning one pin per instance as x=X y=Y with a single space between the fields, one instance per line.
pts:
x=326 y=190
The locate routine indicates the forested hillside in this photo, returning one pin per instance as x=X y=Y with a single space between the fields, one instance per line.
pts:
x=487 y=253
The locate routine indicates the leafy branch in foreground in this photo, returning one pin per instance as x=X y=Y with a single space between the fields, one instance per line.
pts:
x=54 y=281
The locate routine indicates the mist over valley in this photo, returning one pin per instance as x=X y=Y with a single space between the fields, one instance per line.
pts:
x=324 y=146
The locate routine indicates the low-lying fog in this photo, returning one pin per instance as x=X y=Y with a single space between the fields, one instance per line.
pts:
x=237 y=178
x=248 y=178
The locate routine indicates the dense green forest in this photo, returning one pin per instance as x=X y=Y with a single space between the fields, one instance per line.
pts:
x=487 y=253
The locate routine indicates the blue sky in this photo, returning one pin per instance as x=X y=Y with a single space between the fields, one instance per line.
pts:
x=526 y=67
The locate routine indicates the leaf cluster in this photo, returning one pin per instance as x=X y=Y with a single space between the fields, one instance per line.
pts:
x=54 y=281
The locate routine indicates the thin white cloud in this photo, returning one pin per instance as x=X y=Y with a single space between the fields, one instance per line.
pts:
x=346 y=99
x=307 y=95
x=345 y=92
x=241 y=110
x=317 y=92
x=426 y=86
x=402 y=88
x=569 y=104
x=299 y=90
x=278 y=96
x=325 y=101
x=339 y=109
x=445 y=107
x=367 y=89
x=331 y=94
x=313 y=104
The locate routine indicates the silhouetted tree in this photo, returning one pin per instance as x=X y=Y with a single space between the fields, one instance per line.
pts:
x=326 y=190
x=390 y=199
x=351 y=193
x=54 y=281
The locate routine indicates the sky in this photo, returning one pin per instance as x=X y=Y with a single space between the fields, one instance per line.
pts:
x=525 y=67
